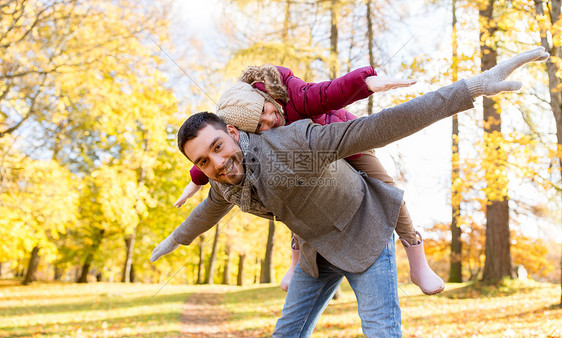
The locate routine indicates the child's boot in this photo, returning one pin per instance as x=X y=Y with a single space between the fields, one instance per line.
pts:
x=420 y=272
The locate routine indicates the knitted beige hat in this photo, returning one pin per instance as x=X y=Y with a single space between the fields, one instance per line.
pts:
x=241 y=106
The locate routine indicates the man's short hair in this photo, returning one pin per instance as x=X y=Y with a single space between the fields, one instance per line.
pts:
x=190 y=128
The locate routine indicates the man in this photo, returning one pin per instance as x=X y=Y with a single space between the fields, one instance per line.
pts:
x=296 y=174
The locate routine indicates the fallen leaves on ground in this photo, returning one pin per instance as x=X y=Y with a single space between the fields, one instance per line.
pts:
x=510 y=309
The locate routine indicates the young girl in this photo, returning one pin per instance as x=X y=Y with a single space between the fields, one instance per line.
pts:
x=286 y=98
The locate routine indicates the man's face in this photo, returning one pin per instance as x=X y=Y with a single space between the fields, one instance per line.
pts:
x=217 y=154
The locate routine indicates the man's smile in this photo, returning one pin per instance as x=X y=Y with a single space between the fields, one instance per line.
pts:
x=228 y=168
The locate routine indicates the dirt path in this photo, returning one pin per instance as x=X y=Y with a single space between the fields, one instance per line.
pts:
x=204 y=316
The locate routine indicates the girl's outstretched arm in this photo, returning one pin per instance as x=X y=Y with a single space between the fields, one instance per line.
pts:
x=198 y=179
x=189 y=191
x=309 y=100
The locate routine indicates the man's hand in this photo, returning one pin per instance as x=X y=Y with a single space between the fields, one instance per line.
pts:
x=189 y=191
x=383 y=83
x=165 y=247
x=491 y=82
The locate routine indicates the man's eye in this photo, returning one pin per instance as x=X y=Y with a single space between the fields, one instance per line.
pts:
x=202 y=163
x=219 y=145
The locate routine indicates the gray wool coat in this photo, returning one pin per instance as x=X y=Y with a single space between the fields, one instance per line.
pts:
x=300 y=176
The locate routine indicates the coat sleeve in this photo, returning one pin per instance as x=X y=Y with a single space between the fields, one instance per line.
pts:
x=198 y=177
x=202 y=218
x=313 y=99
x=389 y=125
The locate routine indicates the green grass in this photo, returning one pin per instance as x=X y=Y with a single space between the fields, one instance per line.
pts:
x=100 y=309
x=510 y=309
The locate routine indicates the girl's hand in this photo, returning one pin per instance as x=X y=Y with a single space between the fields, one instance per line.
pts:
x=295 y=255
x=189 y=191
x=287 y=279
x=383 y=83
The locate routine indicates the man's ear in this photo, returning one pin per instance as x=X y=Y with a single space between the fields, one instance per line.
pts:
x=232 y=131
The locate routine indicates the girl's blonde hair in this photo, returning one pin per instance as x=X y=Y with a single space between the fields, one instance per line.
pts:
x=270 y=76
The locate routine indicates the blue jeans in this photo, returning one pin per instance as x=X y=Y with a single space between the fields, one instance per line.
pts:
x=375 y=289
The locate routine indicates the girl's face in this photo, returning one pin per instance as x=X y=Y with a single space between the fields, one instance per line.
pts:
x=270 y=118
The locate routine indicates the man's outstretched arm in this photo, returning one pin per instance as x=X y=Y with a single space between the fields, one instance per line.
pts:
x=392 y=124
x=202 y=218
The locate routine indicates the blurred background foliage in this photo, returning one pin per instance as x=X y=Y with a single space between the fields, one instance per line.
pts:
x=92 y=93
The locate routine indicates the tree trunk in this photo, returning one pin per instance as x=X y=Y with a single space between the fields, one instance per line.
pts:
x=498 y=256
x=32 y=266
x=85 y=269
x=128 y=271
x=285 y=32
x=213 y=258
x=127 y=268
x=83 y=278
x=59 y=272
x=267 y=265
x=333 y=39
x=258 y=276
x=226 y=271
x=286 y=22
x=240 y=279
x=455 y=271
x=370 y=47
x=132 y=276
x=554 y=82
x=201 y=260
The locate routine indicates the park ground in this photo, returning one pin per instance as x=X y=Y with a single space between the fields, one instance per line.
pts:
x=513 y=309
